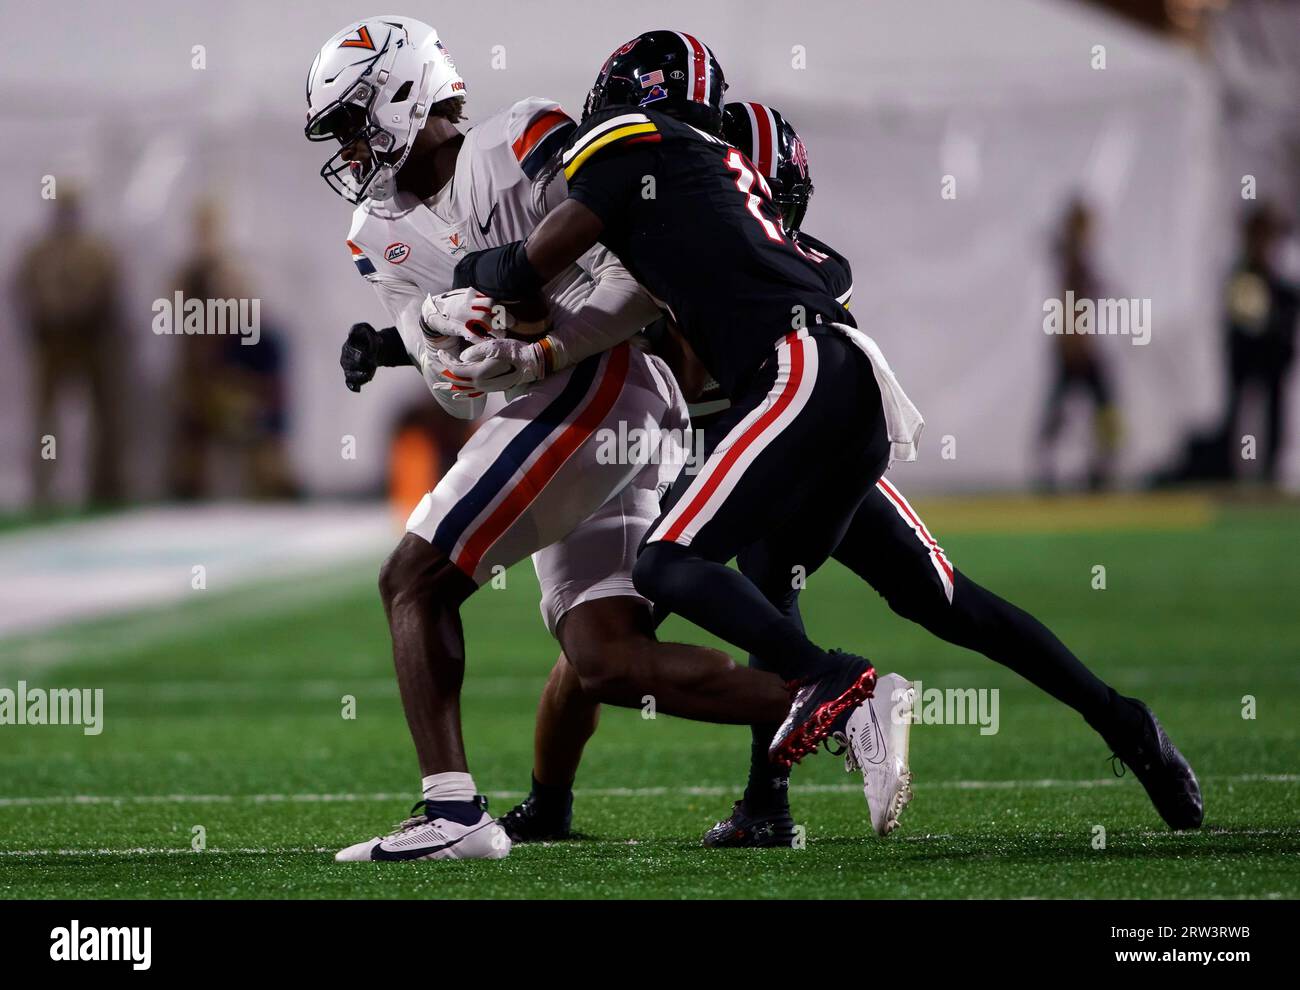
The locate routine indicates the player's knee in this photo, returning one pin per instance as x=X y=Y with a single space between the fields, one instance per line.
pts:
x=660 y=573
x=914 y=608
x=415 y=576
x=609 y=656
x=391 y=579
x=775 y=584
x=925 y=603
x=606 y=672
x=644 y=577
x=608 y=683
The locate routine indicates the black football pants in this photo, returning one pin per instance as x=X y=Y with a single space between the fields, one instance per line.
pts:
x=794 y=456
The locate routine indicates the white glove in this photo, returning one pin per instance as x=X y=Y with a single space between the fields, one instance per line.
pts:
x=498 y=365
x=443 y=372
x=462 y=314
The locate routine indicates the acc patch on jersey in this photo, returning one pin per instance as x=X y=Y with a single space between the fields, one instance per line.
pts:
x=397 y=252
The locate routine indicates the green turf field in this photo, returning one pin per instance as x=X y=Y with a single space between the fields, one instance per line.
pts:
x=226 y=714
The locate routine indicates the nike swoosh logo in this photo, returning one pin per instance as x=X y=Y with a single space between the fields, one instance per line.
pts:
x=875 y=739
x=483 y=227
x=393 y=855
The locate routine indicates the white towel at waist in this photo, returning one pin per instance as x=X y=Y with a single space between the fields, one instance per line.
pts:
x=902 y=419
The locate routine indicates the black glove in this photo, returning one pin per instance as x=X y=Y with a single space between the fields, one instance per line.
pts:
x=367 y=350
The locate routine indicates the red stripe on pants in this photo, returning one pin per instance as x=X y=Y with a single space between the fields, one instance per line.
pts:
x=549 y=463
x=755 y=430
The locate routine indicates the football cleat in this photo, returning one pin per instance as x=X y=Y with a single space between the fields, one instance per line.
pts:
x=821 y=706
x=875 y=743
x=531 y=821
x=437 y=830
x=746 y=829
x=1163 y=771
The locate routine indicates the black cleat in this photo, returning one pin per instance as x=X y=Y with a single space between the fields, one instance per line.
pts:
x=532 y=821
x=1162 y=770
x=747 y=830
x=822 y=706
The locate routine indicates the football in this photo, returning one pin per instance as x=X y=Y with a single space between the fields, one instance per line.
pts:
x=529 y=318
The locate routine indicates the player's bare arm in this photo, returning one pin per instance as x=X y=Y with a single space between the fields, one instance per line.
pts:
x=564 y=236
x=518 y=271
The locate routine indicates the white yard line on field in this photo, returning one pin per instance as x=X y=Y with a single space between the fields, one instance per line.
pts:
x=142 y=851
x=323 y=850
x=596 y=792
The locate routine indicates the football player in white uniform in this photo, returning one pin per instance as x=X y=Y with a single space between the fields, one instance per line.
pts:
x=530 y=480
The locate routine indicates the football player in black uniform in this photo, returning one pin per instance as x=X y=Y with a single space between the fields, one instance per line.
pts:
x=889 y=547
x=887 y=544
x=692 y=221
x=695 y=222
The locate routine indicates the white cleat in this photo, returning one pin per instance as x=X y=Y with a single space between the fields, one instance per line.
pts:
x=447 y=830
x=877 y=740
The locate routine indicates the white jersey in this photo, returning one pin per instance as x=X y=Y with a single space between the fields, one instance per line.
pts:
x=506 y=180
x=535 y=478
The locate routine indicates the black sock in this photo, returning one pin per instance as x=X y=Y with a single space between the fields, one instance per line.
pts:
x=727 y=604
x=558 y=797
x=788 y=652
x=769 y=786
x=1123 y=720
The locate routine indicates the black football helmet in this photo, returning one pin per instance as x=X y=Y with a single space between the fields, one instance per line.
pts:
x=766 y=138
x=669 y=71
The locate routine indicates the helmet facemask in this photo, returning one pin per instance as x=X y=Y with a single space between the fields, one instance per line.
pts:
x=350 y=122
x=374 y=126
x=792 y=201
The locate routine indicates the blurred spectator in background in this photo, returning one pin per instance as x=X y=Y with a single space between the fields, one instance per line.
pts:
x=229 y=393
x=66 y=288
x=1261 y=311
x=1077 y=365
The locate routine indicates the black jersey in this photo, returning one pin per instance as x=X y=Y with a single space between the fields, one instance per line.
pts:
x=833 y=267
x=838 y=275
x=693 y=221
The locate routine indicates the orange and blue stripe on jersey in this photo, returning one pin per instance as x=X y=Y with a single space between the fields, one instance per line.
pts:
x=364 y=265
x=542 y=139
x=531 y=459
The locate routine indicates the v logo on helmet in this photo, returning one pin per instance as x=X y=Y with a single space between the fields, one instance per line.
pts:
x=362 y=40
x=361 y=68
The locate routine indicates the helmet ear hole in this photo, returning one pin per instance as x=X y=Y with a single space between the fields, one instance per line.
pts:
x=403 y=93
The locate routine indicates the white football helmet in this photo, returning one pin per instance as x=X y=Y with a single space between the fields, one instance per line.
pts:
x=373 y=84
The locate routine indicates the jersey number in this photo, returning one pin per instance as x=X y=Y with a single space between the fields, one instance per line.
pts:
x=745 y=181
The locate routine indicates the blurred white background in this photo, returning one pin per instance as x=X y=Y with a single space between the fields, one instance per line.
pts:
x=894 y=95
